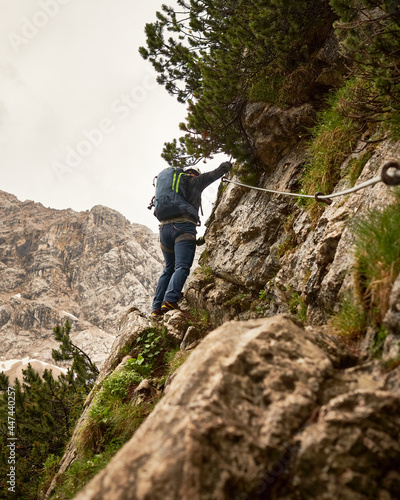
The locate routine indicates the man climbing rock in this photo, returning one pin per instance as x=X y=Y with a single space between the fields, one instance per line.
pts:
x=177 y=203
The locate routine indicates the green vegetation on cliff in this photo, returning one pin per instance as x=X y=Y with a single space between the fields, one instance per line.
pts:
x=217 y=56
x=44 y=416
x=366 y=107
x=120 y=404
x=377 y=264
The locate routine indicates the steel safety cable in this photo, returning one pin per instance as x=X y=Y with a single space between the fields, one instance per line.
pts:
x=389 y=175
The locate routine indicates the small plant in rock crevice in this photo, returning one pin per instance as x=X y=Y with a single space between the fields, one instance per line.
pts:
x=206 y=273
x=288 y=244
x=298 y=307
x=262 y=304
x=356 y=166
x=351 y=318
x=199 y=318
x=376 y=348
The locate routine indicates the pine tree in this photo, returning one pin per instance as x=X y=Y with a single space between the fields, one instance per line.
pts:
x=83 y=372
x=369 y=31
x=217 y=52
x=46 y=409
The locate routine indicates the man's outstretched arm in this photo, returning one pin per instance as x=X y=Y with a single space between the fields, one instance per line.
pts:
x=204 y=180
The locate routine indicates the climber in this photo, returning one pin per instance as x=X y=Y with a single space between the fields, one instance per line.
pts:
x=177 y=202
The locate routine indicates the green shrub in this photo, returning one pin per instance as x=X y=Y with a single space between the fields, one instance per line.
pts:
x=393 y=125
x=371 y=42
x=268 y=88
x=45 y=412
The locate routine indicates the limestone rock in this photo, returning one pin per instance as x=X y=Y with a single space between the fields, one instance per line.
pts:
x=392 y=382
x=391 y=347
x=249 y=231
x=176 y=325
x=392 y=319
x=142 y=392
x=353 y=450
x=275 y=130
x=261 y=412
x=227 y=415
x=340 y=356
x=191 y=338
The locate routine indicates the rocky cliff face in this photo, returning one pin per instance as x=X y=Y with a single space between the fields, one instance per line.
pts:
x=258 y=241
x=87 y=267
x=262 y=409
x=265 y=406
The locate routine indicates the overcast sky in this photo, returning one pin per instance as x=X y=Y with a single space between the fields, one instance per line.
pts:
x=82 y=119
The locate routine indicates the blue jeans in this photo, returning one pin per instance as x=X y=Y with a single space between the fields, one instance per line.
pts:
x=178 y=261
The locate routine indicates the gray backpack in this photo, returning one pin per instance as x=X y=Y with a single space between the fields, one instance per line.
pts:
x=170 y=198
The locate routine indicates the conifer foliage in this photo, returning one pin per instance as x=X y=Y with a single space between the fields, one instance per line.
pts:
x=370 y=39
x=211 y=53
x=45 y=412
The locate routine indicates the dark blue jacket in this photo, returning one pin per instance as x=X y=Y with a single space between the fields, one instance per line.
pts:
x=196 y=185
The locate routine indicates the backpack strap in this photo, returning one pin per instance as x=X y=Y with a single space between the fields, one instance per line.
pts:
x=175 y=181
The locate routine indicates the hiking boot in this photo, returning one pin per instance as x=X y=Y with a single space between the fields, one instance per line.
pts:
x=156 y=312
x=168 y=306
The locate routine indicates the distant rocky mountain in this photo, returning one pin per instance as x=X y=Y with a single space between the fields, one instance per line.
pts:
x=88 y=267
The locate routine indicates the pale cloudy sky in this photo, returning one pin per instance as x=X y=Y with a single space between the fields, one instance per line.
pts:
x=82 y=120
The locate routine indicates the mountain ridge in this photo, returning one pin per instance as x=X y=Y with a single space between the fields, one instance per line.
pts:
x=55 y=265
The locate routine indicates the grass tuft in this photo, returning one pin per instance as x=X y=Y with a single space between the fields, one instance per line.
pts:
x=334 y=137
x=377 y=265
x=377 y=255
x=351 y=319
